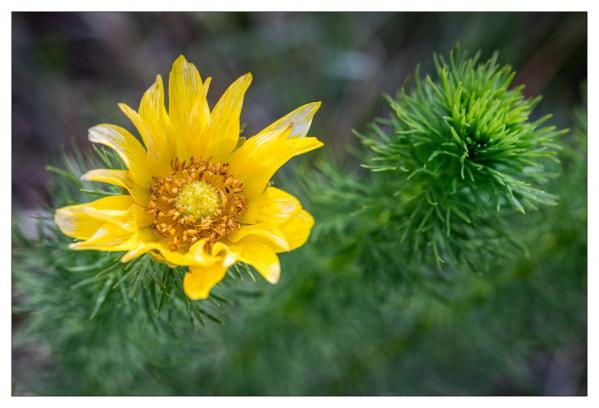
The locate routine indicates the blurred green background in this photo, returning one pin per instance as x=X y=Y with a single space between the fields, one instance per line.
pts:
x=520 y=332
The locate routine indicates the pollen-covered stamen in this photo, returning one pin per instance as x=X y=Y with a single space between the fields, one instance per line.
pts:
x=199 y=200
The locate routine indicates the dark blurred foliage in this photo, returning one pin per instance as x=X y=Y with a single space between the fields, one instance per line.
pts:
x=332 y=325
x=70 y=69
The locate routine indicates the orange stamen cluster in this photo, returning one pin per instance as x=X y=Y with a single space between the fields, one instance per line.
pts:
x=177 y=224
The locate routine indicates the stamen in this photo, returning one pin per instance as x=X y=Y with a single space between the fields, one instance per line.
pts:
x=198 y=200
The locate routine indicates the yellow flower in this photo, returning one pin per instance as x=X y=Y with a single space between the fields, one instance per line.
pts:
x=198 y=195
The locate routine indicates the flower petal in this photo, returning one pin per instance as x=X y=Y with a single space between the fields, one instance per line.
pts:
x=274 y=206
x=297 y=228
x=283 y=211
x=267 y=234
x=200 y=280
x=184 y=86
x=119 y=178
x=187 y=106
x=197 y=139
x=260 y=256
x=225 y=119
x=257 y=160
x=147 y=242
x=300 y=120
x=153 y=125
x=195 y=256
x=76 y=224
x=109 y=237
x=131 y=219
x=83 y=220
x=126 y=146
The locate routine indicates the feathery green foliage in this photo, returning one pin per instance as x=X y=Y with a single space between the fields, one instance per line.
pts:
x=457 y=149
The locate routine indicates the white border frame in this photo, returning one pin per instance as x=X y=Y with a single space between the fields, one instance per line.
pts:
x=589 y=6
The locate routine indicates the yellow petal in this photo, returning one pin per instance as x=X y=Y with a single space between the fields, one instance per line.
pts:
x=195 y=256
x=187 y=106
x=153 y=125
x=299 y=120
x=76 y=224
x=119 y=210
x=122 y=179
x=184 y=86
x=274 y=206
x=225 y=119
x=297 y=228
x=147 y=242
x=197 y=139
x=222 y=251
x=83 y=220
x=109 y=237
x=283 y=211
x=127 y=147
x=260 y=256
x=200 y=280
x=267 y=234
x=257 y=160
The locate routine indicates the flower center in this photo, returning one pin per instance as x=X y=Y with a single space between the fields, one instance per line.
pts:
x=199 y=200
